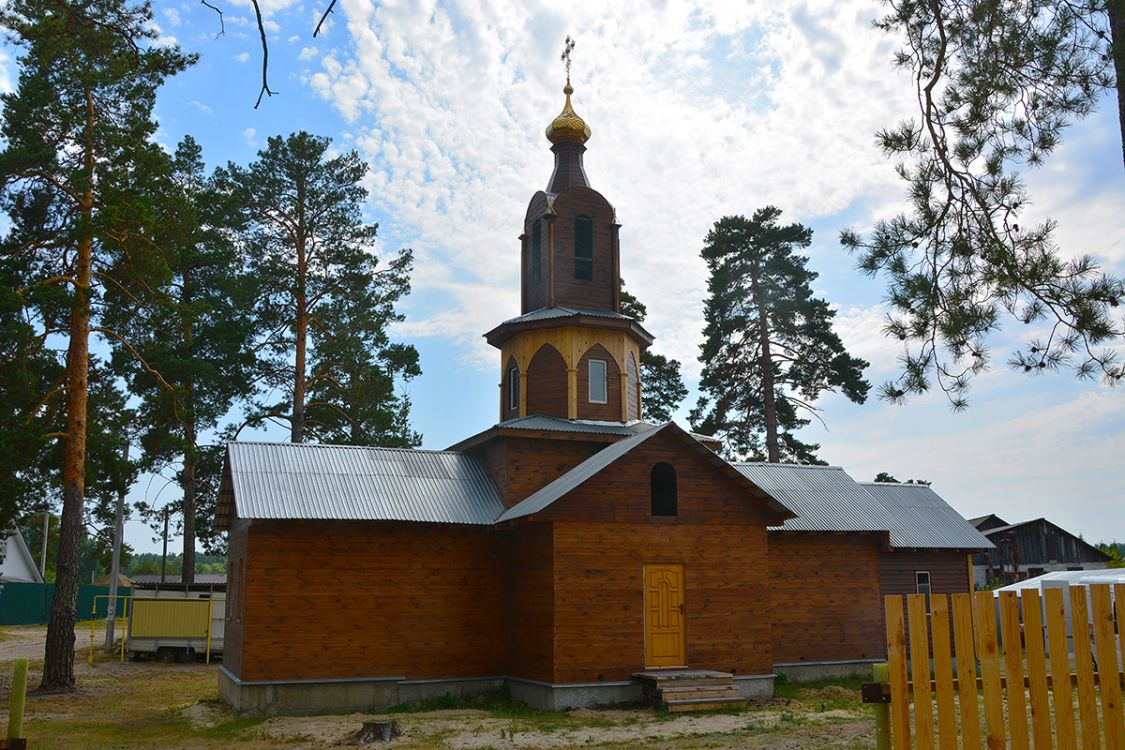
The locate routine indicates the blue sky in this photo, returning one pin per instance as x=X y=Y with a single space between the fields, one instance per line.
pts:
x=697 y=111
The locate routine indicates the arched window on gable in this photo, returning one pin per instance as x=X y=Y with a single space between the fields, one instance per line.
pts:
x=584 y=248
x=663 y=482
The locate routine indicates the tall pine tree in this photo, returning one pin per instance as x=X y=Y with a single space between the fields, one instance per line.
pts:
x=663 y=386
x=324 y=302
x=197 y=336
x=769 y=350
x=74 y=172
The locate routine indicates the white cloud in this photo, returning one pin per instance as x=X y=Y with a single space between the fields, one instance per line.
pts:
x=172 y=15
x=249 y=134
x=203 y=108
x=695 y=113
x=242 y=57
x=308 y=53
x=5 y=73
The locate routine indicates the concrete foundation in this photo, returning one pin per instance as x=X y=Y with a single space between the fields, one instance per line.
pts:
x=374 y=694
x=755 y=687
x=811 y=671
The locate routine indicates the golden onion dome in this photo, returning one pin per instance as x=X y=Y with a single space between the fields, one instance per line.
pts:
x=568 y=126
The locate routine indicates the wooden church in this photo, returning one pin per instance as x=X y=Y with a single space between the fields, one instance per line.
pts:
x=571 y=552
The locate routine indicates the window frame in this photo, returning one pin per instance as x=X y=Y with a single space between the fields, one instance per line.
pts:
x=604 y=380
x=513 y=388
x=584 y=253
x=536 y=253
x=670 y=481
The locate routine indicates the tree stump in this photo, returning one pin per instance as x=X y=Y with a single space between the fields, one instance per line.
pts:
x=377 y=731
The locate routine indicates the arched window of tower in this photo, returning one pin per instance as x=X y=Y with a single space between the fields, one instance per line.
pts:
x=536 y=253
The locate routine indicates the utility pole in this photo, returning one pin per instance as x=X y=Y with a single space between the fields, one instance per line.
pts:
x=115 y=568
x=164 y=557
x=43 y=550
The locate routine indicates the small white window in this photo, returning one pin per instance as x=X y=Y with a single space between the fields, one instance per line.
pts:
x=513 y=388
x=597 y=381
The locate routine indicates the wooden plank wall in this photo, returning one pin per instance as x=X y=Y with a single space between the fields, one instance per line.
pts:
x=825 y=601
x=605 y=533
x=520 y=466
x=948 y=569
x=529 y=607
x=597 y=294
x=232 y=627
x=547 y=386
x=331 y=599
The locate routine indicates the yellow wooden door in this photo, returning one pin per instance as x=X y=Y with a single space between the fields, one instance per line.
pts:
x=664 y=616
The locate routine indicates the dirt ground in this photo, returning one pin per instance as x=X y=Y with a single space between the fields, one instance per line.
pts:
x=135 y=705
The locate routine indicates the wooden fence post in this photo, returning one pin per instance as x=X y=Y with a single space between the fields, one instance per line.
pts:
x=882 y=673
x=16 y=702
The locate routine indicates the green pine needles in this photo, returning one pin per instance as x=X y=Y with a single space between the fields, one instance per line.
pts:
x=770 y=351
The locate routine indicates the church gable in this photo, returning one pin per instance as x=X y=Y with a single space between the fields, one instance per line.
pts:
x=618 y=484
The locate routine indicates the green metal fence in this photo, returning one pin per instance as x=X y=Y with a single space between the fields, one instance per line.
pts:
x=30 y=603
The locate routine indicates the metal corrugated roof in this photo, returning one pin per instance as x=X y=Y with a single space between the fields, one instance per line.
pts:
x=824 y=498
x=603 y=458
x=549 y=313
x=336 y=482
x=919 y=517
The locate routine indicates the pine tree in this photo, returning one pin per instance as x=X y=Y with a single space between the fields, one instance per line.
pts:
x=197 y=337
x=324 y=302
x=663 y=386
x=769 y=349
x=74 y=172
x=997 y=83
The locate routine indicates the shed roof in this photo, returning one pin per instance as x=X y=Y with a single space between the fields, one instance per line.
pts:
x=572 y=479
x=338 y=482
x=824 y=498
x=920 y=518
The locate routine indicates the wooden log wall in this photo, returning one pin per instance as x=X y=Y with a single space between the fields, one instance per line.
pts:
x=329 y=599
x=825 y=602
x=604 y=534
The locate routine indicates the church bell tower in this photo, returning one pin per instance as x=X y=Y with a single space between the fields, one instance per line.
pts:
x=571 y=353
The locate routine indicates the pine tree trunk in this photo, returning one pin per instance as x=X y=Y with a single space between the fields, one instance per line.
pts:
x=191 y=450
x=58 y=657
x=1117 y=37
x=301 y=330
x=765 y=365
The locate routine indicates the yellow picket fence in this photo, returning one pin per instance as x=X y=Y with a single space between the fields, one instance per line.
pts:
x=1026 y=672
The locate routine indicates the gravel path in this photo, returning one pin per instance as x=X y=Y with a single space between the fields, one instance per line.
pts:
x=28 y=641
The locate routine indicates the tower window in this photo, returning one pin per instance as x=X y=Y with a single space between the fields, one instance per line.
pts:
x=598 y=392
x=584 y=248
x=536 y=254
x=663 y=483
x=513 y=388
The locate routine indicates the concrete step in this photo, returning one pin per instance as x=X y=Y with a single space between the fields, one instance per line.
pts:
x=703 y=704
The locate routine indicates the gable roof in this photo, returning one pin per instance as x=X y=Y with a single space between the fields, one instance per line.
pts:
x=999 y=531
x=918 y=517
x=16 y=561
x=572 y=479
x=339 y=482
x=824 y=498
x=991 y=521
x=547 y=423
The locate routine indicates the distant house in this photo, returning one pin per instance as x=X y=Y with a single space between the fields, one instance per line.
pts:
x=16 y=560
x=1030 y=548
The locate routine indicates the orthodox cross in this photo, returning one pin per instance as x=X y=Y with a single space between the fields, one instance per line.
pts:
x=568 y=47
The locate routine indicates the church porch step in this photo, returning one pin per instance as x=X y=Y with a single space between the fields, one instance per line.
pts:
x=690 y=689
x=703 y=704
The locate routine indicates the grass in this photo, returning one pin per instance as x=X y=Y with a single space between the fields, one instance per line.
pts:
x=132 y=706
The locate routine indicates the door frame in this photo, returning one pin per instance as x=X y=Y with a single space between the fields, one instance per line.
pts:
x=683 y=615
